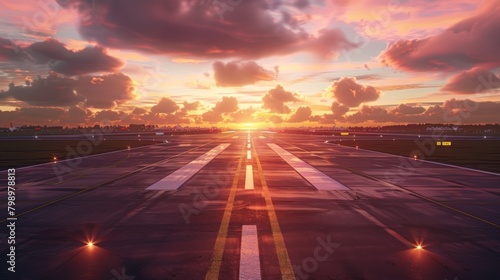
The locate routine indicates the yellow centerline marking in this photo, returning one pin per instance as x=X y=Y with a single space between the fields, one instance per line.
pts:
x=401 y=188
x=216 y=261
x=279 y=242
x=109 y=181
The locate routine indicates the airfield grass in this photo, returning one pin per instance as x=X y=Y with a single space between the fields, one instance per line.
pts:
x=476 y=154
x=19 y=153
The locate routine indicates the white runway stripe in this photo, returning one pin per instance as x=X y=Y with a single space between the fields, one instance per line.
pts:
x=249 y=178
x=249 y=253
x=249 y=155
x=180 y=176
x=248 y=146
x=317 y=178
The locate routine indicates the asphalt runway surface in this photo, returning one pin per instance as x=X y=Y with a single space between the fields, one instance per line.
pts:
x=246 y=213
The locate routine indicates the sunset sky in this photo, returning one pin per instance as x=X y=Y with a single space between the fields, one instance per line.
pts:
x=265 y=63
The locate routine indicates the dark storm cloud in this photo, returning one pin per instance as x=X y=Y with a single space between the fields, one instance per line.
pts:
x=51 y=91
x=202 y=29
x=54 y=53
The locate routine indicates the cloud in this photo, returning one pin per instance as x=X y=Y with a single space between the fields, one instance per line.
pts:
x=224 y=107
x=302 y=114
x=54 y=53
x=104 y=92
x=105 y=116
x=202 y=29
x=329 y=42
x=349 y=93
x=472 y=42
x=11 y=51
x=327 y=119
x=212 y=117
x=275 y=100
x=190 y=106
x=51 y=91
x=243 y=116
x=473 y=81
x=76 y=115
x=139 y=111
x=276 y=119
x=370 y=113
x=33 y=115
x=165 y=106
x=240 y=73
x=408 y=110
x=338 y=110
x=453 y=111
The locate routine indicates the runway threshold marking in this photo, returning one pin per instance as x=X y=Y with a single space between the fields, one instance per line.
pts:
x=111 y=180
x=357 y=172
x=318 y=179
x=249 y=178
x=249 y=253
x=216 y=261
x=286 y=269
x=181 y=175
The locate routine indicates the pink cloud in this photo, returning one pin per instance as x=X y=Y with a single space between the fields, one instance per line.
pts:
x=453 y=111
x=472 y=42
x=239 y=73
x=473 y=81
x=275 y=100
x=302 y=114
x=165 y=105
x=349 y=92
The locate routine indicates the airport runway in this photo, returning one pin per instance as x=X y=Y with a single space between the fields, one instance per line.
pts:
x=252 y=205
